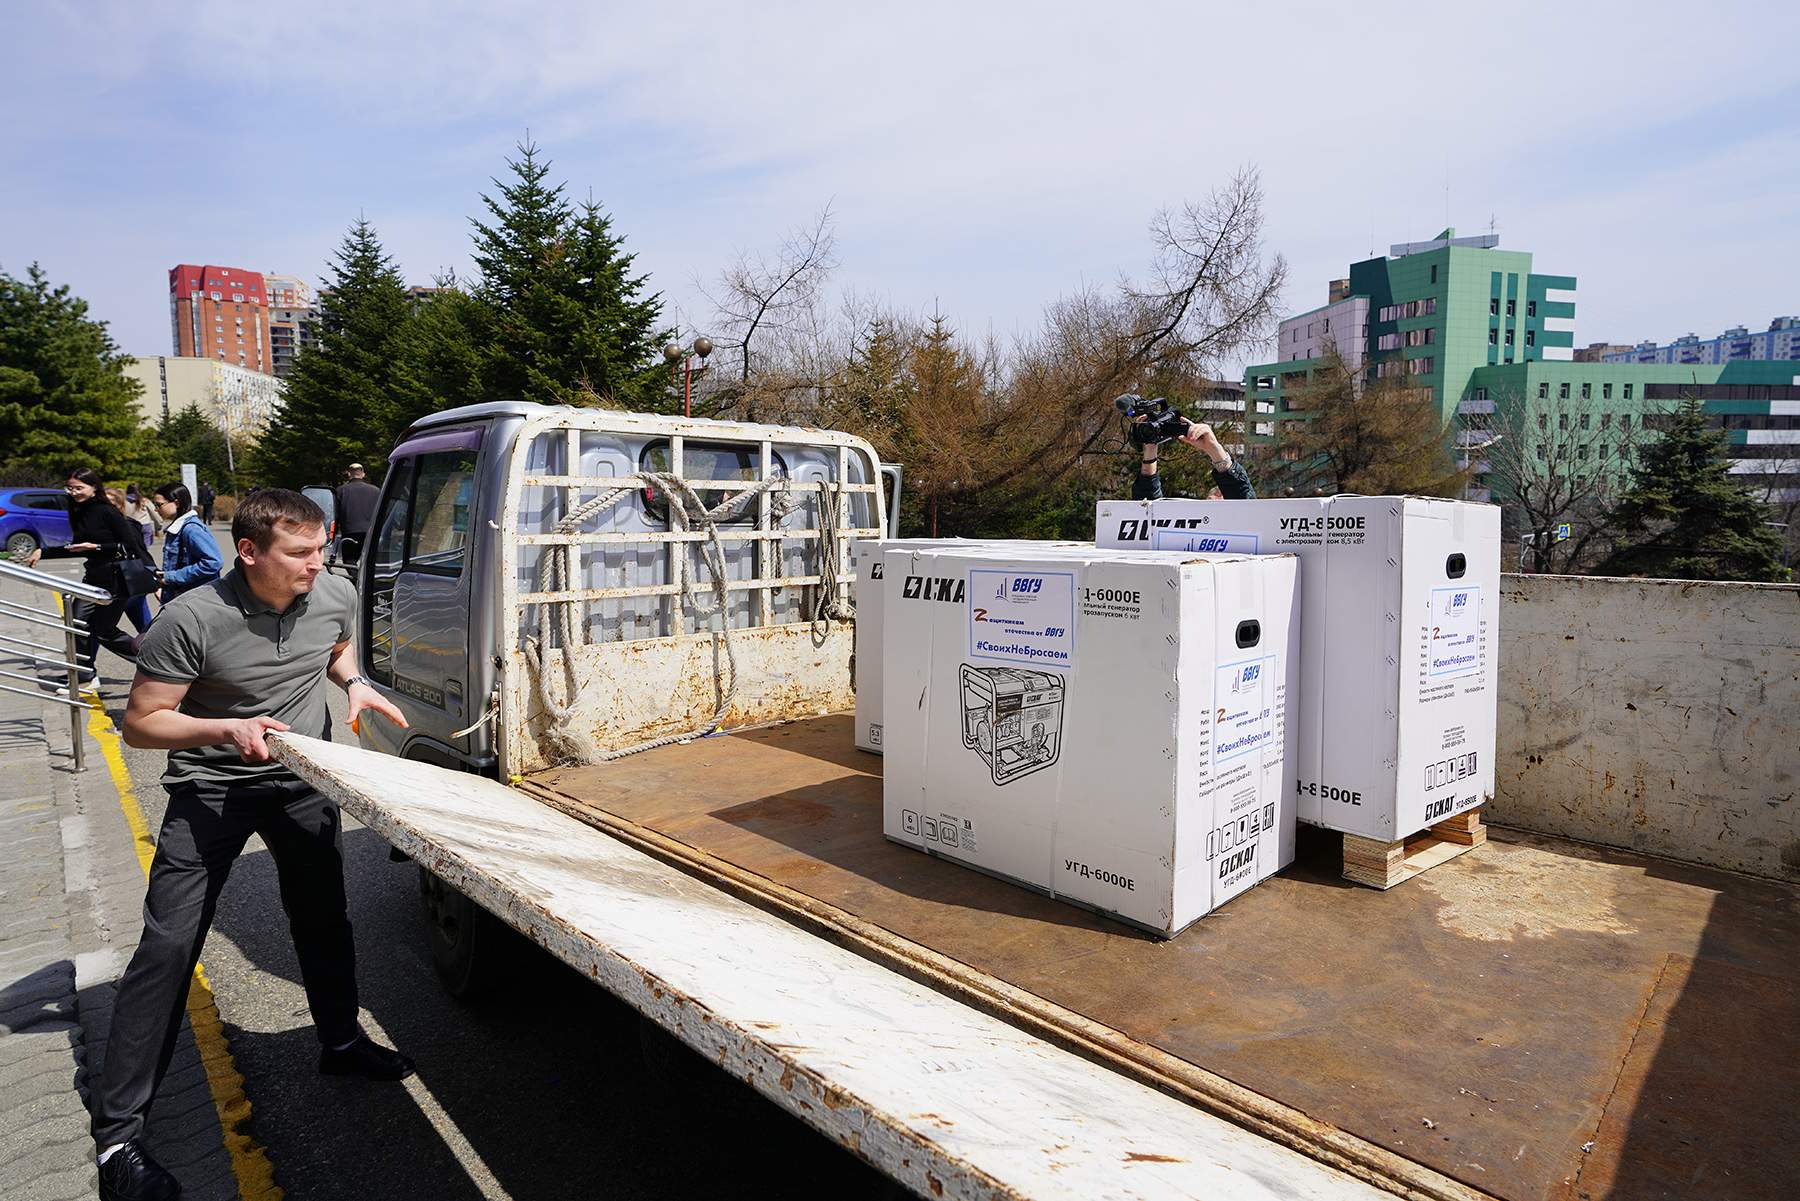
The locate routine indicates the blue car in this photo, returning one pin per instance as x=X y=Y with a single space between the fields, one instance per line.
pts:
x=31 y=518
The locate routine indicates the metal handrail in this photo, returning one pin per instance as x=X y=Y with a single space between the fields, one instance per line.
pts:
x=36 y=646
x=53 y=583
x=8 y=655
x=11 y=606
x=63 y=617
x=68 y=623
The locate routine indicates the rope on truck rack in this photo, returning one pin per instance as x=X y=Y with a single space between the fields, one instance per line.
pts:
x=556 y=573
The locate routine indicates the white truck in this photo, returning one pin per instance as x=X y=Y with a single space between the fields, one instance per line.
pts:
x=623 y=642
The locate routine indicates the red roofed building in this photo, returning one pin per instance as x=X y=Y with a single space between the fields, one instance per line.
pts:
x=222 y=314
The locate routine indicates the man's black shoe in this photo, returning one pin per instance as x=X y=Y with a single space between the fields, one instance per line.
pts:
x=129 y=1174
x=365 y=1057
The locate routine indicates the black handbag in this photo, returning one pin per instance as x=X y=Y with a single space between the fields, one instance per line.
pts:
x=133 y=577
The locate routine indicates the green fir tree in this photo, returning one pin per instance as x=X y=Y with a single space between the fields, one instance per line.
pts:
x=872 y=400
x=65 y=400
x=1683 y=517
x=340 y=405
x=567 y=322
x=443 y=356
x=189 y=437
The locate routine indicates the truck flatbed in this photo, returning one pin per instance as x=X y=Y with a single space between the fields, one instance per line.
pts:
x=1536 y=1019
x=950 y=1101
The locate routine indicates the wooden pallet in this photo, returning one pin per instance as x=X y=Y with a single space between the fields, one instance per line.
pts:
x=1385 y=864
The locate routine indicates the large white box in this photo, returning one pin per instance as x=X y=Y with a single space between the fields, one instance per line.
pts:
x=1107 y=727
x=866 y=595
x=1398 y=646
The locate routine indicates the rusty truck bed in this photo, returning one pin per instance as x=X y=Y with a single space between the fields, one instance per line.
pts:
x=1535 y=1019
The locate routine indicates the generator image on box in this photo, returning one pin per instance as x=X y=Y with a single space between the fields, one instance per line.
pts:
x=1012 y=718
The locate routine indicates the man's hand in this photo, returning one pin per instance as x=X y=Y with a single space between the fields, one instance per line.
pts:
x=1200 y=435
x=364 y=697
x=82 y=546
x=248 y=736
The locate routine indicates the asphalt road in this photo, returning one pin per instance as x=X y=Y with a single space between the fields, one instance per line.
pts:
x=546 y=1088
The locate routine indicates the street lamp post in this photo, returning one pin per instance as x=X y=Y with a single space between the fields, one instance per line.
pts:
x=701 y=348
x=1469 y=453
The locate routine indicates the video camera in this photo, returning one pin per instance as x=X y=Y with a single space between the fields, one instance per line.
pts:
x=1161 y=423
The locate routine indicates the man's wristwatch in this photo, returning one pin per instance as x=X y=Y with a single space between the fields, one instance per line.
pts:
x=355 y=680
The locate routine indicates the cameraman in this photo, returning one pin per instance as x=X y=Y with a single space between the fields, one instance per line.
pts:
x=1231 y=481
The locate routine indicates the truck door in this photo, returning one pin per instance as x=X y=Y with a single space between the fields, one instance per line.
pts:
x=416 y=611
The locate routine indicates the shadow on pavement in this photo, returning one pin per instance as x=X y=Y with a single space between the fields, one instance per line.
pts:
x=548 y=1079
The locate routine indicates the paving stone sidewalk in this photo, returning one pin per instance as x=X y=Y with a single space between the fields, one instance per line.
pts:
x=71 y=897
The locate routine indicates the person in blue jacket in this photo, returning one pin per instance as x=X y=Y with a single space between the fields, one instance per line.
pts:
x=190 y=552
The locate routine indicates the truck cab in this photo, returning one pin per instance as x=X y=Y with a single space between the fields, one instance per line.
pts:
x=525 y=592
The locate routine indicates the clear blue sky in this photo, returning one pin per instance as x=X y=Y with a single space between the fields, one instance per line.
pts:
x=980 y=157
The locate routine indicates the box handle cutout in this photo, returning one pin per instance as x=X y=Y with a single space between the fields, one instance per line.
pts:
x=1249 y=633
x=1456 y=566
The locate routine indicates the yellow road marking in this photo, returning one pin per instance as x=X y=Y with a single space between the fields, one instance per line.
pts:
x=249 y=1159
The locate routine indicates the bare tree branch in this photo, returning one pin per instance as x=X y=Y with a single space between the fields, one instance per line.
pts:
x=1553 y=461
x=757 y=296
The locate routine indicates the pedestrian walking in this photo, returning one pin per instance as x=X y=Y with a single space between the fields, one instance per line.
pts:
x=207 y=497
x=137 y=608
x=356 y=500
x=190 y=552
x=106 y=541
x=226 y=664
x=139 y=509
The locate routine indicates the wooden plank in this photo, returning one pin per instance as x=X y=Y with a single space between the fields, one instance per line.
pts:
x=1381 y=864
x=948 y=1100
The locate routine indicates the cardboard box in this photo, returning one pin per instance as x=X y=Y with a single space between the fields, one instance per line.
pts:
x=1398 y=648
x=1106 y=727
x=866 y=595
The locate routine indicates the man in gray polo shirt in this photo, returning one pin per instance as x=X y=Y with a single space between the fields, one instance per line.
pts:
x=219 y=668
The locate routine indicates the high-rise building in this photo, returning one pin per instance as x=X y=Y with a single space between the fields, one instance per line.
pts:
x=292 y=314
x=1434 y=312
x=1494 y=344
x=220 y=313
x=1780 y=342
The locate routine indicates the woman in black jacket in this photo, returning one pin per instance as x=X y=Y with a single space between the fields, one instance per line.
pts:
x=101 y=535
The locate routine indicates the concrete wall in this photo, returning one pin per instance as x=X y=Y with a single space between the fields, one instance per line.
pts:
x=1660 y=716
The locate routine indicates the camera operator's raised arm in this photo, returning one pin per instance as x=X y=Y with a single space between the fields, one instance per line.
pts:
x=1150 y=423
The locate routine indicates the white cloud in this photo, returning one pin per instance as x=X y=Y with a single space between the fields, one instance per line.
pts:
x=985 y=155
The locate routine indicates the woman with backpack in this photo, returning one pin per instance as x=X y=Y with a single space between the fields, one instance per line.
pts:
x=111 y=546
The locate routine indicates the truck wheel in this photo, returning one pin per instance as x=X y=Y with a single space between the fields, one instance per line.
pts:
x=466 y=940
x=21 y=543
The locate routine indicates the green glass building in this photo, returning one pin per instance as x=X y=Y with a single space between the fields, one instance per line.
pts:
x=1493 y=341
x=1437 y=311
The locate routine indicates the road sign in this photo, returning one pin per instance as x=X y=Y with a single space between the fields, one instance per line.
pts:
x=1563 y=530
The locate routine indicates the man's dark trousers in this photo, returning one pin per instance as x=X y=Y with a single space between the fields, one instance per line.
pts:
x=203 y=831
x=102 y=622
